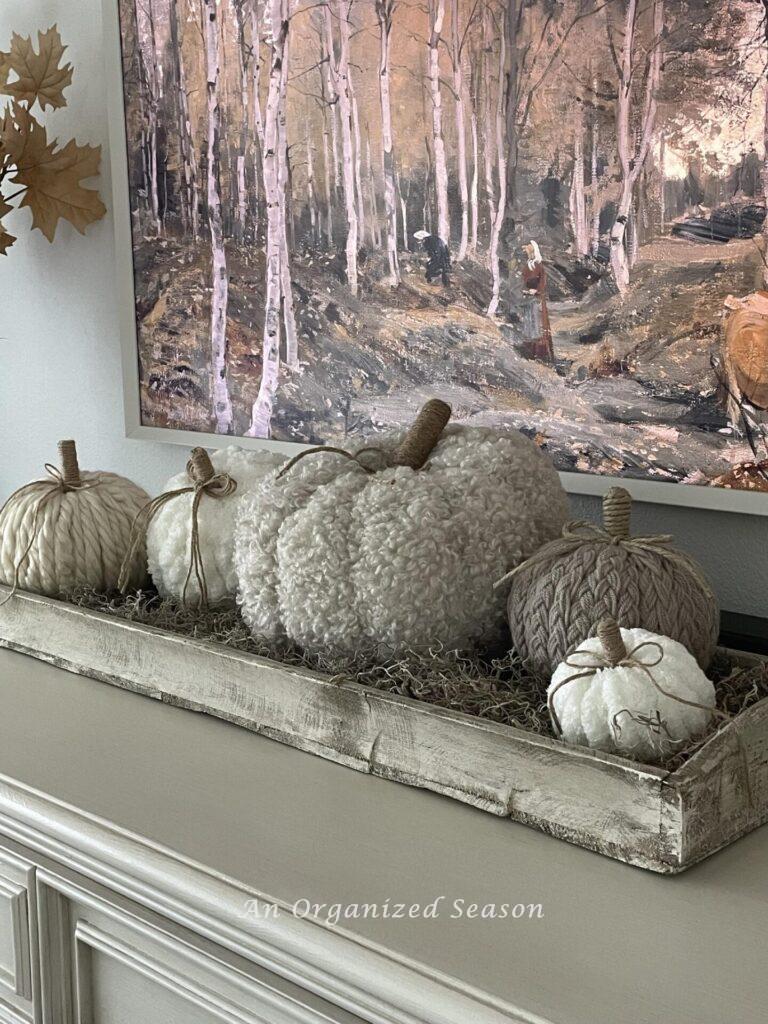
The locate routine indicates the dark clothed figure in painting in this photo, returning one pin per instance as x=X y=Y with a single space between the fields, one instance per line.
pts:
x=537 y=333
x=439 y=264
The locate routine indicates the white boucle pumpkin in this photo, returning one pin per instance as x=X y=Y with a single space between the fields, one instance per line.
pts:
x=332 y=556
x=617 y=708
x=170 y=529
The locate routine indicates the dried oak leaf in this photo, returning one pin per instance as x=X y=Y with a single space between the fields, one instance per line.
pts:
x=6 y=239
x=23 y=140
x=39 y=75
x=52 y=176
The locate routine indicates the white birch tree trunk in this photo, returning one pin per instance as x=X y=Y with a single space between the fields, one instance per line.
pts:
x=358 y=162
x=222 y=406
x=488 y=126
x=286 y=288
x=594 y=190
x=374 y=206
x=577 y=198
x=403 y=210
x=501 y=169
x=384 y=12
x=631 y=156
x=311 y=200
x=191 y=201
x=327 y=181
x=241 y=204
x=148 y=54
x=338 y=63
x=261 y=413
x=326 y=57
x=459 y=93
x=473 y=188
x=436 y=19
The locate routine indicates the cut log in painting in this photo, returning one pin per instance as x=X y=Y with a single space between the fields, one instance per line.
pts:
x=552 y=215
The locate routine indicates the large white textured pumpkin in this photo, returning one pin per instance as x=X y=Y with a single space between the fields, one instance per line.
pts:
x=169 y=534
x=332 y=556
x=72 y=529
x=616 y=707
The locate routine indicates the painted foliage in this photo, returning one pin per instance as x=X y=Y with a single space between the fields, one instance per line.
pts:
x=551 y=214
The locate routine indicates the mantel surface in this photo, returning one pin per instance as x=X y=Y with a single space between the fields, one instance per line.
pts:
x=616 y=945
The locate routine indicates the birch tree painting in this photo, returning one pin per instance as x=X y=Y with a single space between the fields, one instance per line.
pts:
x=546 y=213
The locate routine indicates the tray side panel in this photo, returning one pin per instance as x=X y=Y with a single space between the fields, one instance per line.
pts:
x=591 y=799
x=723 y=788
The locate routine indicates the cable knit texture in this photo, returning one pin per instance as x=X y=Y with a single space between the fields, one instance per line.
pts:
x=586 y=707
x=331 y=556
x=169 y=533
x=555 y=601
x=81 y=535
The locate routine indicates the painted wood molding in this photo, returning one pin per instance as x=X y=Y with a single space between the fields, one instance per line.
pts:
x=361 y=977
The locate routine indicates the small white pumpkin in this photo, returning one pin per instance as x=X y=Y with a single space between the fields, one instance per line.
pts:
x=70 y=530
x=169 y=534
x=373 y=550
x=630 y=692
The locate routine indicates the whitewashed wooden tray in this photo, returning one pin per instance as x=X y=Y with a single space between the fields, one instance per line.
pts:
x=634 y=813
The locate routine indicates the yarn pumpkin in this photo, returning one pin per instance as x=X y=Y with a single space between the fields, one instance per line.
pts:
x=71 y=529
x=590 y=573
x=397 y=546
x=190 y=530
x=631 y=692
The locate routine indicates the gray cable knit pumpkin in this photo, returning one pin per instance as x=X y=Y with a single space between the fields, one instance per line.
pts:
x=396 y=546
x=590 y=574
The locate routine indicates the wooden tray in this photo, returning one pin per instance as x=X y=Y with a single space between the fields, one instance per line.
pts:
x=635 y=813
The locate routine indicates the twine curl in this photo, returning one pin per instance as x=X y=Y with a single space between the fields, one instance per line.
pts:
x=205 y=481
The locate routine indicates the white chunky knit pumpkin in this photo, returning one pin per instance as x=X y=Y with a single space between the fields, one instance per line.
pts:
x=616 y=707
x=333 y=556
x=71 y=529
x=169 y=532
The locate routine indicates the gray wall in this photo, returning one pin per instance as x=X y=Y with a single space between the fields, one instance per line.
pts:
x=60 y=370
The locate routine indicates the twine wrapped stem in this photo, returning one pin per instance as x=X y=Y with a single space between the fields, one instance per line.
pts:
x=617 y=512
x=422 y=437
x=70 y=470
x=414 y=450
x=609 y=635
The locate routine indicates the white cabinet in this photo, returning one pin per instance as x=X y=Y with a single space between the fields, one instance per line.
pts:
x=16 y=976
x=112 y=963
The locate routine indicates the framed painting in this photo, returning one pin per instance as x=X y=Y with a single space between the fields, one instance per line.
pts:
x=549 y=214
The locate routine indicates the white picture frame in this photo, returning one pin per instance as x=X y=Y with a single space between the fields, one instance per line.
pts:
x=685 y=495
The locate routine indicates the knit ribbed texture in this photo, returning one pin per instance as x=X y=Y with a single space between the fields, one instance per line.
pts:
x=569 y=585
x=69 y=530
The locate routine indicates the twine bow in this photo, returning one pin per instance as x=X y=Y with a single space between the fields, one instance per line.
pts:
x=58 y=482
x=616 y=655
x=205 y=480
x=614 y=531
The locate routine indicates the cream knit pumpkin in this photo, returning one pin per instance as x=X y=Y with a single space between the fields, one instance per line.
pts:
x=332 y=556
x=619 y=706
x=70 y=530
x=170 y=530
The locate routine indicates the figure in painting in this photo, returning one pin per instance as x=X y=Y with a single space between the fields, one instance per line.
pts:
x=537 y=333
x=439 y=264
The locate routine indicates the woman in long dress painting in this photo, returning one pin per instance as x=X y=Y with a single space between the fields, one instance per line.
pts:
x=537 y=333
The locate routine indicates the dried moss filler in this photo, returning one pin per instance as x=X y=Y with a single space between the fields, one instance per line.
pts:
x=630 y=692
x=398 y=545
x=590 y=574
x=190 y=527
x=71 y=529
